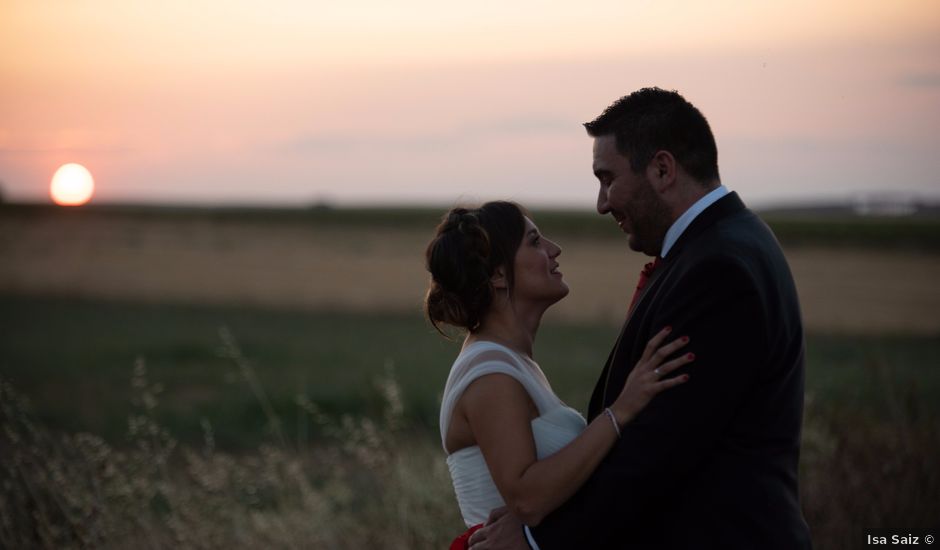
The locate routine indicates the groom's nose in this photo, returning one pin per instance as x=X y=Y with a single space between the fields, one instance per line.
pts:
x=602 y=206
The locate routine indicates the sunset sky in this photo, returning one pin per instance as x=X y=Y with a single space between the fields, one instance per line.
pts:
x=369 y=101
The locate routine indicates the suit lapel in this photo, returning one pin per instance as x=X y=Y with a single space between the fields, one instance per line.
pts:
x=619 y=357
x=725 y=206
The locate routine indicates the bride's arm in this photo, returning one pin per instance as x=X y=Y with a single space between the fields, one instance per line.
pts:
x=498 y=411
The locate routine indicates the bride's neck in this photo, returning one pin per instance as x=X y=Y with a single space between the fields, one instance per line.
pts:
x=513 y=327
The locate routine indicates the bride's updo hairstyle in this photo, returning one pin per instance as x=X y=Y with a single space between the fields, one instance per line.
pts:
x=468 y=246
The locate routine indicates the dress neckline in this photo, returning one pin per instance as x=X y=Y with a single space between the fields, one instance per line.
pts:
x=503 y=346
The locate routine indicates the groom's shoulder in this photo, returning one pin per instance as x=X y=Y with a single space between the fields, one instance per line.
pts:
x=742 y=235
x=735 y=251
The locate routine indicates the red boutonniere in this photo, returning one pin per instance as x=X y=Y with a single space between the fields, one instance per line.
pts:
x=463 y=541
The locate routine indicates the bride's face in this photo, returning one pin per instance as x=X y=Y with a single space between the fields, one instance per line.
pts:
x=535 y=269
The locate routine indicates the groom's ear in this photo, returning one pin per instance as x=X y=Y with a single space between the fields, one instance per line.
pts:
x=498 y=279
x=662 y=171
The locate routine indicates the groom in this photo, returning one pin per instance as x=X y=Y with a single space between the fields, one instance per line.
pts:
x=713 y=462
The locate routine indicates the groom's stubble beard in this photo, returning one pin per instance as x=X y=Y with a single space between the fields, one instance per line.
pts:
x=651 y=218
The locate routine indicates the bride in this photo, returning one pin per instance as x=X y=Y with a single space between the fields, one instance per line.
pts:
x=510 y=441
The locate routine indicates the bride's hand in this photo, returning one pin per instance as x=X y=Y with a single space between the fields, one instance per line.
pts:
x=648 y=377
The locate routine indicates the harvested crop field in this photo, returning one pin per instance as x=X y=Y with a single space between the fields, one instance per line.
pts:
x=360 y=267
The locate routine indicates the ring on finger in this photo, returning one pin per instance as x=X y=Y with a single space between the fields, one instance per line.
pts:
x=656 y=371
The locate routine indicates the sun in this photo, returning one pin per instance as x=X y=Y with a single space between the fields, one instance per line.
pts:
x=72 y=185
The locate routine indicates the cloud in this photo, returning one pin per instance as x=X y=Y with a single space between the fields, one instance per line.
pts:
x=70 y=150
x=921 y=80
x=502 y=128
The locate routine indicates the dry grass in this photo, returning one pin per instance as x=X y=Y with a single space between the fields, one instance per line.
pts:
x=359 y=268
x=369 y=485
x=859 y=472
x=372 y=484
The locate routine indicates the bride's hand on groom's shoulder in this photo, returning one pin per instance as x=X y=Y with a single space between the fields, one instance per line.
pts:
x=503 y=531
x=650 y=376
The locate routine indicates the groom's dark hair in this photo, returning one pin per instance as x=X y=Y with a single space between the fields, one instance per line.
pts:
x=653 y=119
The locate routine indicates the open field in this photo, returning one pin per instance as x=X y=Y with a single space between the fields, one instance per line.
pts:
x=336 y=263
x=315 y=424
x=75 y=358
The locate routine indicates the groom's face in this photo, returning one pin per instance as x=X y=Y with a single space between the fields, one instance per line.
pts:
x=630 y=198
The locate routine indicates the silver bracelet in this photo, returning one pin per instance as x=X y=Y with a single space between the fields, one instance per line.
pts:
x=613 y=420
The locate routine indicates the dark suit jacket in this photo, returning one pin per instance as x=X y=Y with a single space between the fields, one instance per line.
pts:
x=711 y=463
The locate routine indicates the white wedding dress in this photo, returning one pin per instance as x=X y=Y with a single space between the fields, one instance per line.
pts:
x=556 y=425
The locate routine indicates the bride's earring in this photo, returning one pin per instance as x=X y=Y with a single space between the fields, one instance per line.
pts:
x=498 y=279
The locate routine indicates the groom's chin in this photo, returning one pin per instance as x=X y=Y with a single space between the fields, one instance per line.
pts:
x=633 y=243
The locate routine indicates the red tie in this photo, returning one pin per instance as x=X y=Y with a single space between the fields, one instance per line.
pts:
x=645 y=274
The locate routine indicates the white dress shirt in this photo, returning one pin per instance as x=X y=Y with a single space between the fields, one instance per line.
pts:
x=682 y=223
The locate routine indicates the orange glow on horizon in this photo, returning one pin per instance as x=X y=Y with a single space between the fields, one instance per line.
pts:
x=205 y=101
x=72 y=185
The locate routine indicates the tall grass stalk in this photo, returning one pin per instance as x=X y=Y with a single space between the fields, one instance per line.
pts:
x=231 y=350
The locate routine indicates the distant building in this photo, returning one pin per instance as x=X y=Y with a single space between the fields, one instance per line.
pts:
x=886 y=205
